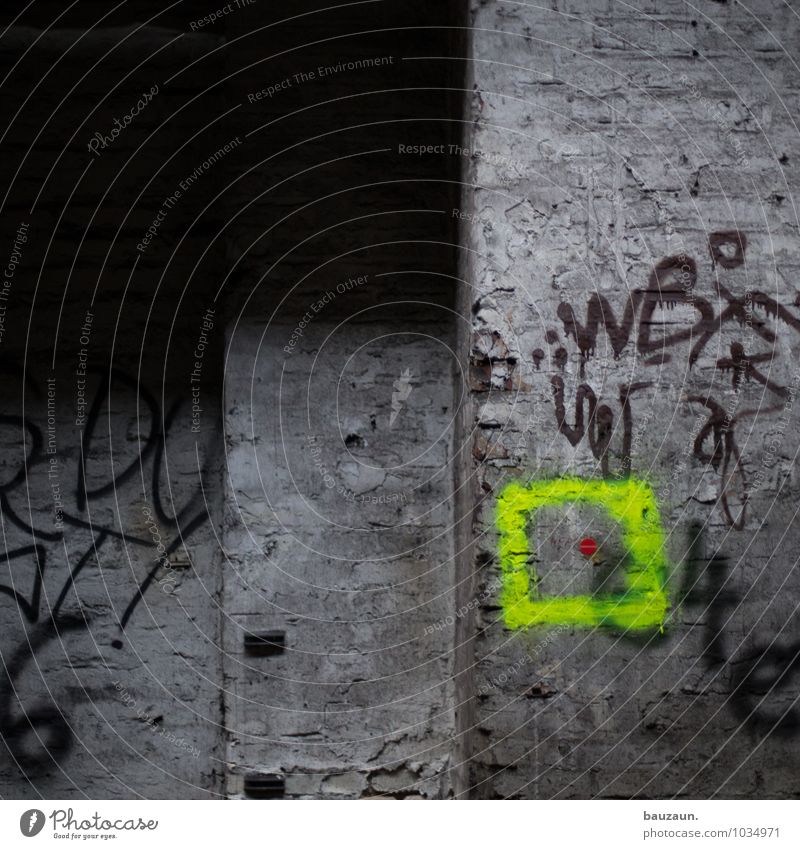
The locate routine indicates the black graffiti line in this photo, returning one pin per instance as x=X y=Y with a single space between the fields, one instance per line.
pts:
x=91 y=526
x=743 y=668
x=82 y=494
x=598 y=312
x=97 y=543
x=742 y=366
x=725 y=451
x=32 y=530
x=160 y=453
x=50 y=717
x=183 y=534
x=35 y=452
x=585 y=392
x=600 y=424
x=36 y=533
x=661 y=290
x=30 y=609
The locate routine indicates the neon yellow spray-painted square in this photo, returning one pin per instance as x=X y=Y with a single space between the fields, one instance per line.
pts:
x=632 y=503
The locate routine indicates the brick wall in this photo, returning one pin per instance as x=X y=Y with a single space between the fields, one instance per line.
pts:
x=112 y=574
x=623 y=330
x=340 y=400
x=334 y=289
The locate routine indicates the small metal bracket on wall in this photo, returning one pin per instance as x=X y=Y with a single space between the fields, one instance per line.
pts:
x=264 y=786
x=265 y=643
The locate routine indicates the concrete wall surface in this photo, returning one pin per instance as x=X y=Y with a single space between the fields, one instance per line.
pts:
x=399 y=400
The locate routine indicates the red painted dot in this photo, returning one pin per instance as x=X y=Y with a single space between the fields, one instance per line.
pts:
x=587 y=547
